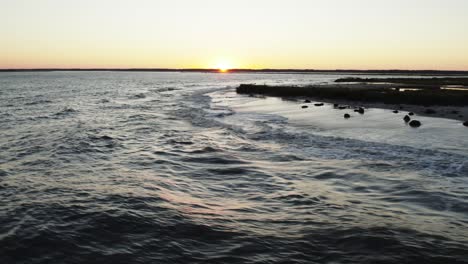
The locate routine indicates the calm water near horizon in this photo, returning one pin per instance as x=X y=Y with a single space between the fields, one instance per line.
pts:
x=133 y=167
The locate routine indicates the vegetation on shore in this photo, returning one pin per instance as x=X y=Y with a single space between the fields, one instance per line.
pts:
x=386 y=94
x=408 y=81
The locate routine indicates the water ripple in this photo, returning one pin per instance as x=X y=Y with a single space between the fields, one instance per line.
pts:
x=160 y=168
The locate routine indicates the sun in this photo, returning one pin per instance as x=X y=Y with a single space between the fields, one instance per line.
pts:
x=223 y=67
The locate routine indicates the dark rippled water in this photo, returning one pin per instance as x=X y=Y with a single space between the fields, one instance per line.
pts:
x=172 y=168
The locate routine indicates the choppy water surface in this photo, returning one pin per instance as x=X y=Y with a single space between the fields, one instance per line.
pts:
x=177 y=168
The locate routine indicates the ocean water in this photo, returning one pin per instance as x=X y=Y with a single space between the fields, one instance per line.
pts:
x=128 y=167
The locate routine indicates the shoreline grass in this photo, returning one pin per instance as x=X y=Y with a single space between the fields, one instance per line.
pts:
x=408 y=81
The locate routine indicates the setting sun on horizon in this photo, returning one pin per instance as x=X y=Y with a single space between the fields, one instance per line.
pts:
x=223 y=66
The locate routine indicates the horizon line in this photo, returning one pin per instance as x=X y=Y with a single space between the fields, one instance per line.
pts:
x=234 y=70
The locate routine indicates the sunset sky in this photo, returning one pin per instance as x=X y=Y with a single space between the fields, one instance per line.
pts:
x=314 y=34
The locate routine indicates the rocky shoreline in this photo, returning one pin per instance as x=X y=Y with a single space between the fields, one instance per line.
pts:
x=451 y=104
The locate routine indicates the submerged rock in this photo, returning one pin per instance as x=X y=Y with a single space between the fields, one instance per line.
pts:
x=465 y=123
x=304 y=106
x=407 y=118
x=347 y=116
x=415 y=123
x=411 y=113
x=319 y=104
x=307 y=101
x=342 y=107
x=396 y=111
x=336 y=105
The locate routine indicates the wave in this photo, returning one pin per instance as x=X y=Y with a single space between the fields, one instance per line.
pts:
x=168 y=237
x=39 y=102
x=184 y=177
x=66 y=111
x=138 y=96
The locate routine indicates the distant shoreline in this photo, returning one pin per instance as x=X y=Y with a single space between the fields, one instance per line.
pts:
x=279 y=71
x=431 y=100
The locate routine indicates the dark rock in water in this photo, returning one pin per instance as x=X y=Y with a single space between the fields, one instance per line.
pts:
x=396 y=111
x=341 y=107
x=411 y=114
x=407 y=118
x=430 y=111
x=415 y=123
x=318 y=104
x=465 y=123
x=304 y=106
x=335 y=105
x=360 y=110
x=306 y=101
x=455 y=112
x=347 y=116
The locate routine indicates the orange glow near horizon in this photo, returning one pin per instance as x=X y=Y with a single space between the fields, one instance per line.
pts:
x=223 y=67
x=398 y=34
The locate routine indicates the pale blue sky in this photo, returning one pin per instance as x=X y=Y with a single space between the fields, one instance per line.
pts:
x=366 y=34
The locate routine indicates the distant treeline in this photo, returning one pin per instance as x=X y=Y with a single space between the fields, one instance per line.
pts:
x=380 y=72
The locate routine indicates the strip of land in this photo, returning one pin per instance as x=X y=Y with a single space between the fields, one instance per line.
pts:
x=434 y=82
x=428 y=99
